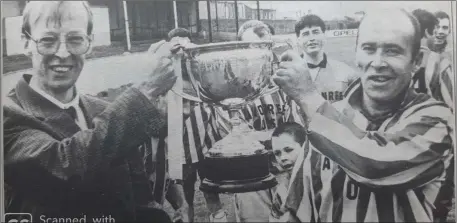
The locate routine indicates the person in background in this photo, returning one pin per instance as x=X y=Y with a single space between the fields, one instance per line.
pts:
x=337 y=76
x=180 y=35
x=272 y=29
x=435 y=75
x=67 y=154
x=441 y=34
x=331 y=76
x=287 y=140
x=373 y=156
x=436 y=78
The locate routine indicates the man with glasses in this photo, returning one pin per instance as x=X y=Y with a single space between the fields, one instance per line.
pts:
x=69 y=155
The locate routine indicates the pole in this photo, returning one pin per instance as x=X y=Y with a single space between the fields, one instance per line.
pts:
x=258 y=10
x=217 y=17
x=197 y=12
x=210 y=30
x=175 y=118
x=236 y=15
x=175 y=13
x=127 y=29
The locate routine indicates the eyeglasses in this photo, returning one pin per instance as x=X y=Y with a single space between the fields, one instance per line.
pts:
x=77 y=44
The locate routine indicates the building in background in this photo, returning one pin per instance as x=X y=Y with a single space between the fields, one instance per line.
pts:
x=150 y=19
x=226 y=10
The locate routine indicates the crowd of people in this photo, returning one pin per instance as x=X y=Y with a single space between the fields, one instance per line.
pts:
x=366 y=144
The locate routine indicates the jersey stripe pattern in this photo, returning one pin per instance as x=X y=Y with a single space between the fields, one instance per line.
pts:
x=435 y=77
x=385 y=169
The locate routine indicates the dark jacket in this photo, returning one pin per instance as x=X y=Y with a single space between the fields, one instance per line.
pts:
x=53 y=168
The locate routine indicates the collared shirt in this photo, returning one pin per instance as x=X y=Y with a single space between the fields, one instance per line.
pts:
x=392 y=171
x=315 y=68
x=331 y=77
x=80 y=119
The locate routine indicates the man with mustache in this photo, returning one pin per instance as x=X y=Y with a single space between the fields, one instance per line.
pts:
x=69 y=155
x=381 y=154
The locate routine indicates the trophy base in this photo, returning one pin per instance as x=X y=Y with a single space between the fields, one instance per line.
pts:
x=238 y=186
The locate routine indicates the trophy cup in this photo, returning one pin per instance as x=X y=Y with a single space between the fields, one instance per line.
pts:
x=228 y=76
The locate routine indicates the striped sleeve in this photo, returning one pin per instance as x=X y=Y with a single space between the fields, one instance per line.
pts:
x=409 y=155
x=447 y=83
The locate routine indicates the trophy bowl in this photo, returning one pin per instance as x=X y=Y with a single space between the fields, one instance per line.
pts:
x=230 y=75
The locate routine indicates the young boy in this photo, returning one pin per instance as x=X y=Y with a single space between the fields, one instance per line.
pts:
x=287 y=141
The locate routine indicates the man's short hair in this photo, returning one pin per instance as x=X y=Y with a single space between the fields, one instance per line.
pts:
x=441 y=15
x=258 y=28
x=179 y=32
x=53 y=9
x=294 y=129
x=272 y=29
x=426 y=20
x=309 y=20
x=417 y=36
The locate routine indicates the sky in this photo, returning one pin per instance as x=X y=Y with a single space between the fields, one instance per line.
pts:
x=338 y=9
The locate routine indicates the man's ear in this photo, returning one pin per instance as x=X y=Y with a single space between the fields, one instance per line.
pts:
x=26 y=43
x=427 y=33
x=91 y=41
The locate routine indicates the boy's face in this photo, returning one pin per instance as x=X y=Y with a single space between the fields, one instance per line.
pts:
x=286 y=150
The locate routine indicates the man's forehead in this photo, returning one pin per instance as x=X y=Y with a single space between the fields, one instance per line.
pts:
x=308 y=28
x=444 y=21
x=384 y=25
x=55 y=15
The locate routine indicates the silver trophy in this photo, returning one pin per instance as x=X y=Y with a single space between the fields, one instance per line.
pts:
x=230 y=75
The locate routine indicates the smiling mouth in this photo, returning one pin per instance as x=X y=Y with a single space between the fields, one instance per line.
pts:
x=288 y=166
x=440 y=38
x=380 y=79
x=60 y=68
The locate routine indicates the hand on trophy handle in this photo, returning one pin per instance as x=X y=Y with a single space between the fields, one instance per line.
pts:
x=162 y=76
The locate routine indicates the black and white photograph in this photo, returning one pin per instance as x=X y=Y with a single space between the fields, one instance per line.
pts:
x=227 y=111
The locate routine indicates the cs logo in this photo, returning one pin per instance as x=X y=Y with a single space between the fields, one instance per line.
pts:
x=18 y=218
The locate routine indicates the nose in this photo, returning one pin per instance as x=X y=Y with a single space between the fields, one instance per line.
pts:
x=377 y=61
x=62 y=52
x=440 y=31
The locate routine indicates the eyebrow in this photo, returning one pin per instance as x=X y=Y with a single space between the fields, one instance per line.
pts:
x=384 y=45
x=392 y=45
